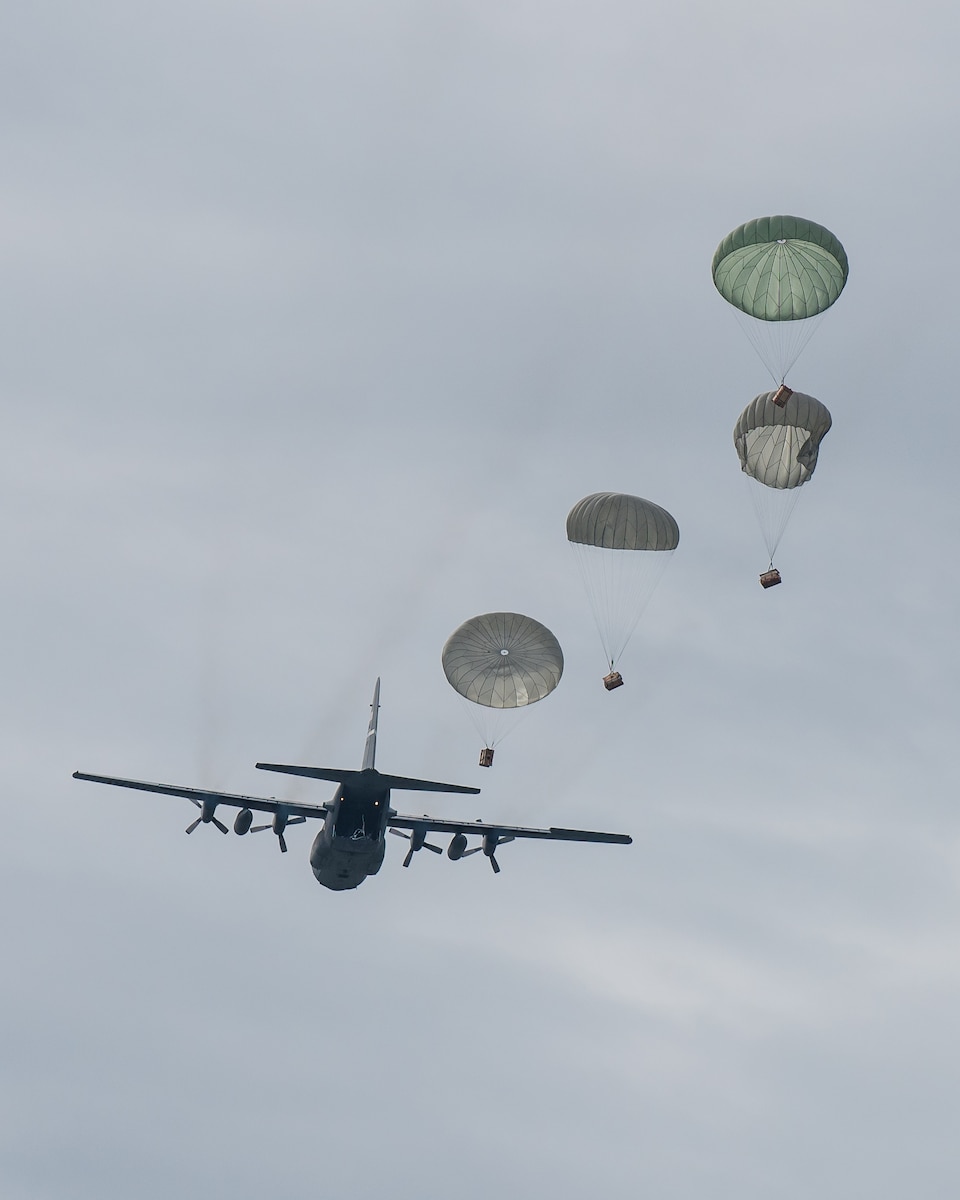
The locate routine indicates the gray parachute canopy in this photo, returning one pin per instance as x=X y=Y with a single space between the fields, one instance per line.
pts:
x=502 y=660
x=778 y=446
x=780 y=268
x=622 y=545
x=615 y=521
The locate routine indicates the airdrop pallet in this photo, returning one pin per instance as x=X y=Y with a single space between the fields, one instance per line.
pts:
x=781 y=395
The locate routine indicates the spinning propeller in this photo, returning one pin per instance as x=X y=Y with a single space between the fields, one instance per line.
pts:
x=207 y=810
x=417 y=839
x=489 y=844
x=278 y=825
x=243 y=824
x=458 y=847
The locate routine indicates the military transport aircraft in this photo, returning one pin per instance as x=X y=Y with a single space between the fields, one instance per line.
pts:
x=351 y=844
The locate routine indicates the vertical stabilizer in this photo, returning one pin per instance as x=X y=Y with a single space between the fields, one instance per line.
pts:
x=370 y=745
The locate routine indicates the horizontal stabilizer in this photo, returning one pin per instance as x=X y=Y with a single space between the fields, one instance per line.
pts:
x=401 y=783
x=370 y=779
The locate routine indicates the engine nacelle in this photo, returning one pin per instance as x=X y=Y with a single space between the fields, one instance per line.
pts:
x=243 y=822
x=458 y=844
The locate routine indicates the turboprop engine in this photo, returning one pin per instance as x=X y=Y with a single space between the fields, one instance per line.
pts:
x=457 y=847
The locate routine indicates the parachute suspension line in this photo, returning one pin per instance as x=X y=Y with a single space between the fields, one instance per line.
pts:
x=494 y=725
x=778 y=344
x=619 y=584
x=774 y=508
x=599 y=591
x=758 y=339
x=794 y=338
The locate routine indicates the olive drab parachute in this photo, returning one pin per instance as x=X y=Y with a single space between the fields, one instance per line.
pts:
x=782 y=273
x=501 y=662
x=778 y=443
x=622 y=543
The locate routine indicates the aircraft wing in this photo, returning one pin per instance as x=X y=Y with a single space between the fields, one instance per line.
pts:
x=259 y=803
x=439 y=825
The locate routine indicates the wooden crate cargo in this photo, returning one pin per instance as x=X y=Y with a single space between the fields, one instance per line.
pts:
x=781 y=395
x=613 y=680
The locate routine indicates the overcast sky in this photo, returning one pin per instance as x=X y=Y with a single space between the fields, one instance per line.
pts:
x=316 y=320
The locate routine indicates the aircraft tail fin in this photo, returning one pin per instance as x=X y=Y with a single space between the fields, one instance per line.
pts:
x=368 y=776
x=370 y=745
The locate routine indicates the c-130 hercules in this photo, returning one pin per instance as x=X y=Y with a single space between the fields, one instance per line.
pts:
x=351 y=843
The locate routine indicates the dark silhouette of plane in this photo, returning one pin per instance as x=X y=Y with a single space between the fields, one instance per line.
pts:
x=351 y=843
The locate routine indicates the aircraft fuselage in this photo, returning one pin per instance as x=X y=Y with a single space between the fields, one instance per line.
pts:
x=351 y=844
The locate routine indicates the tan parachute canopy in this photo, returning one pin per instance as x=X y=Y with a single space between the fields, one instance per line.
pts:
x=501 y=663
x=502 y=660
x=778 y=446
x=622 y=544
x=778 y=449
x=615 y=521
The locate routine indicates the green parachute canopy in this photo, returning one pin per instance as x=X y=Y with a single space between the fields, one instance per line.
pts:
x=780 y=268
